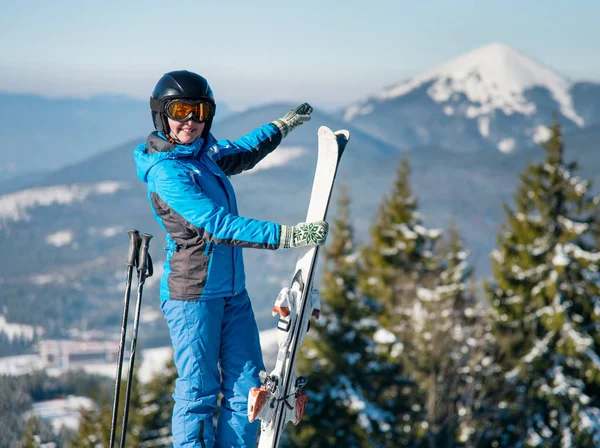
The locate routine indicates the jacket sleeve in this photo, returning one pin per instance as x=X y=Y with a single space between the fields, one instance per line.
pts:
x=244 y=153
x=183 y=196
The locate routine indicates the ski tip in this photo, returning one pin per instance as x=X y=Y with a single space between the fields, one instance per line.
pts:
x=324 y=131
x=343 y=132
x=342 y=138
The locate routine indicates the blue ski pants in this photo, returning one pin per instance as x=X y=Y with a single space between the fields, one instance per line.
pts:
x=205 y=335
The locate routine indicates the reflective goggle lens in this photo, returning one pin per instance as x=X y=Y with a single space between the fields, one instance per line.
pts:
x=182 y=110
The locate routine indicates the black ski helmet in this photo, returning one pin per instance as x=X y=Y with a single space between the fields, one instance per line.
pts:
x=180 y=84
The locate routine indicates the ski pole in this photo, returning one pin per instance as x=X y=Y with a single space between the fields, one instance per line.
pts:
x=134 y=245
x=142 y=270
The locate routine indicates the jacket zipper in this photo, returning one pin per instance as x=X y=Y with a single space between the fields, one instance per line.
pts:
x=216 y=173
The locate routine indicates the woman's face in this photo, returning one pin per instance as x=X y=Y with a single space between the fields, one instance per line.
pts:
x=186 y=132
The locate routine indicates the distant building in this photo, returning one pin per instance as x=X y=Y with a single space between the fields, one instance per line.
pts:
x=66 y=353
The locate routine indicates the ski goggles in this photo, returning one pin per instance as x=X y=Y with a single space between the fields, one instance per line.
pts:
x=182 y=109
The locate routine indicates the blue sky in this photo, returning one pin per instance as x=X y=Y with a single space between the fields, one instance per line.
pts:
x=328 y=53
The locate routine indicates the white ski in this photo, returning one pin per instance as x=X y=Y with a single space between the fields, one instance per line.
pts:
x=280 y=399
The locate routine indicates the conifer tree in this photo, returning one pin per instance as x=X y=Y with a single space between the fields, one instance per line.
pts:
x=448 y=350
x=337 y=355
x=157 y=408
x=461 y=354
x=544 y=294
x=399 y=260
x=401 y=250
x=39 y=433
x=441 y=335
x=94 y=424
x=31 y=439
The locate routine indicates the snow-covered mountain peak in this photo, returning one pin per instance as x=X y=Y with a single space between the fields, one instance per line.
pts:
x=493 y=77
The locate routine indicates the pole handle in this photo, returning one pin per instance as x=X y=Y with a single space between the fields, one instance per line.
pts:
x=143 y=255
x=134 y=246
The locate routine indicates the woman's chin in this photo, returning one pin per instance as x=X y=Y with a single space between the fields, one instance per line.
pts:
x=184 y=137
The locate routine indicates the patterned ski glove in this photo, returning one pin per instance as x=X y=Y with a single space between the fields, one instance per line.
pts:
x=293 y=119
x=303 y=234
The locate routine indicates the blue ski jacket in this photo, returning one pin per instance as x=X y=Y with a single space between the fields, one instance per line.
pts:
x=193 y=200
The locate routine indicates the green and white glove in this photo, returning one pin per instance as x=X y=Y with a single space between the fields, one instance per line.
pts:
x=303 y=234
x=293 y=119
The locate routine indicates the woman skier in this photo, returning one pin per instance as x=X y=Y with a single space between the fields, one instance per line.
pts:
x=202 y=290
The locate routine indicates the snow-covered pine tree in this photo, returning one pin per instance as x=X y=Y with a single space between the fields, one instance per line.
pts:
x=337 y=355
x=449 y=350
x=545 y=295
x=440 y=341
x=398 y=261
x=461 y=377
x=38 y=433
x=400 y=253
x=94 y=428
x=94 y=424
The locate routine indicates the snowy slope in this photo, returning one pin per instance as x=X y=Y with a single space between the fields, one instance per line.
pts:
x=18 y=330
x=150 y=361
x=283 y=156
x=14 y=206
x=495 y=91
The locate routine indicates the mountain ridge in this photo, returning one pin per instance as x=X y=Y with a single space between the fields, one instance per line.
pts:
x=492 y=97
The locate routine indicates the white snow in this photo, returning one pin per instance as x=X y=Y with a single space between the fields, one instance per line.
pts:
x=513 y=300
x=541 y=134
x=283 y=156
x=521 y=274
x=426 y=295
x=567 y=438
x=17 y=330
x=497 y=256
x=365 y=409
x=15 y=206
x=506 y=145
x=540 y=347
x=389 y=251
x=493 y=77
x=20 y=365
x=573 y=226
x=368 y=322
x=594 y=358
x=62 y=411
x=153 y=362
x=581 y=341
x=483 y=123
x=407 y=232
x=581 y=254
x=533 y=438
x=560 y=258
x=397 y=350
x=60 y=238
x=590 y=422
x=383 y=336
x=496 y=77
